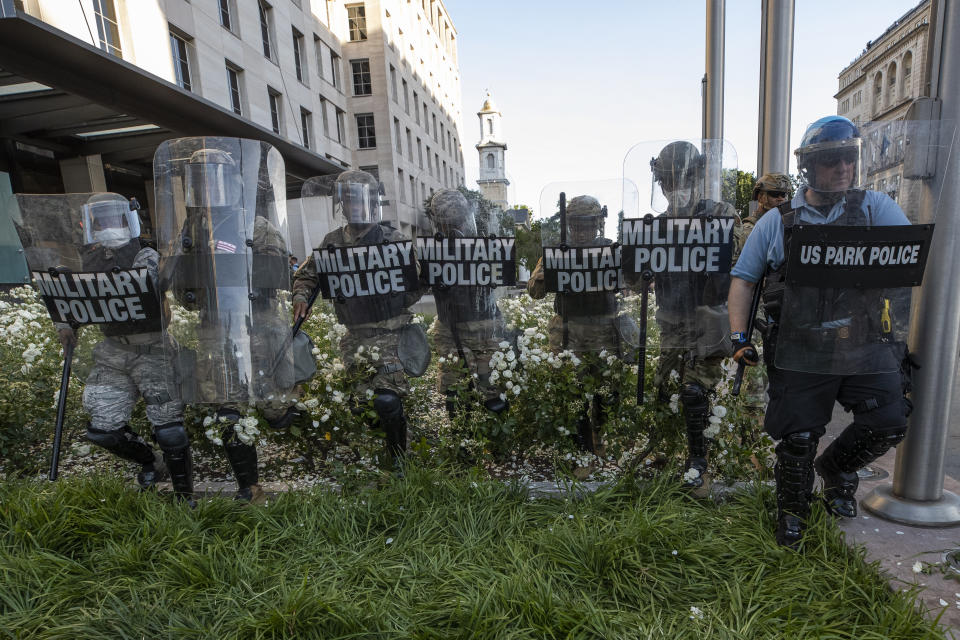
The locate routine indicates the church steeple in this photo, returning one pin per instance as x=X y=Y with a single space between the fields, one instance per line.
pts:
x=493 y=179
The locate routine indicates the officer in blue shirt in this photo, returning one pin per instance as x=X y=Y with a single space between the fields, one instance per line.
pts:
x=801 y=403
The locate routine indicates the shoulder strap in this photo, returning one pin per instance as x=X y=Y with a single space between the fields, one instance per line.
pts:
x=853 y=214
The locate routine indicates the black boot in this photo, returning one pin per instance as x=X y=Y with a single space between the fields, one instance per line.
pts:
x=124 y=443
x=243 y=461
x=452 y=404
x=696 y=412
x=175 y=444
x=794 y=476
x=389 y=408
x=853 y=449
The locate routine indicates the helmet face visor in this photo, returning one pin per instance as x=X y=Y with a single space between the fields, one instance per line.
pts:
x=831 y=167
x=109 y=222
x=210 y=184
x=583 y=229
x=357 y=203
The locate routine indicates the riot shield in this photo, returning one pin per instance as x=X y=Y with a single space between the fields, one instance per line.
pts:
x=581 y=267
x=467 y=258
x=222 y=236
x=850 y=275
x=366 y=267
x=680 y=230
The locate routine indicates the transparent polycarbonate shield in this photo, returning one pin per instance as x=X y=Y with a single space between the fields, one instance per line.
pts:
x=222 y=236
x=467 y=258
x=83 y=281
x=850 y=278
x=581 y=266
x=681 y=233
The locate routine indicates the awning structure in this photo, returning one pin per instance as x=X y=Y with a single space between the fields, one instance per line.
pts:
x=64 y=95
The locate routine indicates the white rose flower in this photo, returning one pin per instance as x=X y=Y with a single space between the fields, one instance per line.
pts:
x=208 y=421
x=720 y=411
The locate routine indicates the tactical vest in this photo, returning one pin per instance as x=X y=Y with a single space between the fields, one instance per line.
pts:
x=370 y=309
x=100 y=258
x=465 y=303
x=594 y=303
x=776 y=281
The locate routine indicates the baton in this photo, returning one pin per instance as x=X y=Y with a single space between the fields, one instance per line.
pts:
x=61 y=409
x=642 y=351
x=754 y=307
x=563 y=247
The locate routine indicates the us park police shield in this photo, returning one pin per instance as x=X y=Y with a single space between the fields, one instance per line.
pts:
x=581 y=267
x=850 y=278
x=679 y=236
x=82 y=281
x=222 y=236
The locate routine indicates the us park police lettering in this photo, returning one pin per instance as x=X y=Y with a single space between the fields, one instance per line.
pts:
x=467 y=261
x=859 y=256
x=366 y=270
x=98 y=297
x=582 y=269
x=679 y=245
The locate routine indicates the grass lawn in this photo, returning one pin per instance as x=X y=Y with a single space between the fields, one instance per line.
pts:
x=429 y=556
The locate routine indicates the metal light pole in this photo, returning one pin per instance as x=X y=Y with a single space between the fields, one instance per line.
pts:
x=776 y=86
x=917 y=495
x=713 y=95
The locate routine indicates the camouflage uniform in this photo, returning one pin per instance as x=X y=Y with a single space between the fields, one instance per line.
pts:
x=383 y=334
x=477 y=347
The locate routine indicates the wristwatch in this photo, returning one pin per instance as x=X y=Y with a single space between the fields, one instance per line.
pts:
x=738 y=336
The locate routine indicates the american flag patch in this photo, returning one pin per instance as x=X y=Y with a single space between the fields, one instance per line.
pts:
x=225 y=247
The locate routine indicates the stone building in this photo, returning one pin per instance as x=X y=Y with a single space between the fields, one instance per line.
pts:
x=493 y=181
x=876 y=91
x=88 y=89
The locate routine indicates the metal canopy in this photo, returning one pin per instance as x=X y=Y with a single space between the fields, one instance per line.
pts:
x=67 y=96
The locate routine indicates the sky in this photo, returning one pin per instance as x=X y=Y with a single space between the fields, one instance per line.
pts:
x=581 y=83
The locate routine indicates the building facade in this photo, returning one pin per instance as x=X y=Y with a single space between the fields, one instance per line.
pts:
x=372 y=85
x=493 y=180
x=876 y=91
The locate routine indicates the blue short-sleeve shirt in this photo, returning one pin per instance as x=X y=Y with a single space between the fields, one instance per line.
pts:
x=764 y=247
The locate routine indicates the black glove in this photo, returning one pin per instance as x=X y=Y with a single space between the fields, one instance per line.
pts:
x=744 y=352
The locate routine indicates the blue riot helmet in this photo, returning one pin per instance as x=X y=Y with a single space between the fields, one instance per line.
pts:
x=828 y=158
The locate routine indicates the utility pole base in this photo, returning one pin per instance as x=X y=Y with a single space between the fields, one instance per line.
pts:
x=944 y=512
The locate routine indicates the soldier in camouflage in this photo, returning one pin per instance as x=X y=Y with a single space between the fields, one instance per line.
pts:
x=374 y=323
x=130 y=362
x=590 y=318
x=679 y=171
x=469 y=323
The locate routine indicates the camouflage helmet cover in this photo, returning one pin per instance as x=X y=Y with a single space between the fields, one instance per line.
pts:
x=451 y=212
x=583 y=207
x=678 y=164
x=772 y=182
x=356 y=197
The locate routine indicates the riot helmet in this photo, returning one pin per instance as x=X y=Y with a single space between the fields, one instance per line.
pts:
x=110 y=219
x=584 y=220
x=828 y=158
x=772 y=182
x=451 y=214
x=211 y=179
x=679 y=171
x=356 y=198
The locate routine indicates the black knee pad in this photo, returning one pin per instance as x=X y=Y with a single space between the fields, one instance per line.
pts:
x=694 y=397
x=110 y=439
x=798 y=445
x=172 y=436
x=874 y=440
x=387 y=403
x=496 y=405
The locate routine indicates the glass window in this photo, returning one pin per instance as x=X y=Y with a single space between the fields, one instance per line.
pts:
x=233 y=81
x=275 y=113
x=264 y=10
x=340 y=125
x=225 y=17
x=318 y=54
x=181 y=62
x=362 y=85
x=334 y=70
x=306 y=126
x=357 y=18
x=366 y=132
x=298 y=60
x=325 y=120
x=108 y=32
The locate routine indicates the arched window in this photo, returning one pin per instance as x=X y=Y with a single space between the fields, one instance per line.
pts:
x=906 y=84
x=490 y=125
x=891 y=83
x=877 y=92
x=491 y=161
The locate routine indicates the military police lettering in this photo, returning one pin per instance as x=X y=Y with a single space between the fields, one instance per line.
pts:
x=379 y=269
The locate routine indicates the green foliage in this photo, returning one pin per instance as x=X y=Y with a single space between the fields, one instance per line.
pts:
x=528 y=245
x=738 y=189
x=431 y=555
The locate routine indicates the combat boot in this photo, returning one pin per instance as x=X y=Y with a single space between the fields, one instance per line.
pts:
x=243 y=462
x=856 y=447
x=696 y=411
x=389 y=408
x=124 y=443
x=794 y=476
x=175 y=444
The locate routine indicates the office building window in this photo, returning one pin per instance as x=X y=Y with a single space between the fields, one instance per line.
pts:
x=413 y=189
x=324 y=119
x=306 y=126
x=226 y=19
x=406 y=98
x=357 y=18
x=265 y=11
x=362 y=85
x=416 y=106
x=276 y=113
x=181 y=61
x=435 y=127
x=334 y=70
x=396 y=128
x=366 y=132
x=401 y=186
x=410 y=145
x=420 y=152
x=233 y=81
x=341 y=125
x=393 y=83
x=318 y=54
x=108 y=32
x=298 y=60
